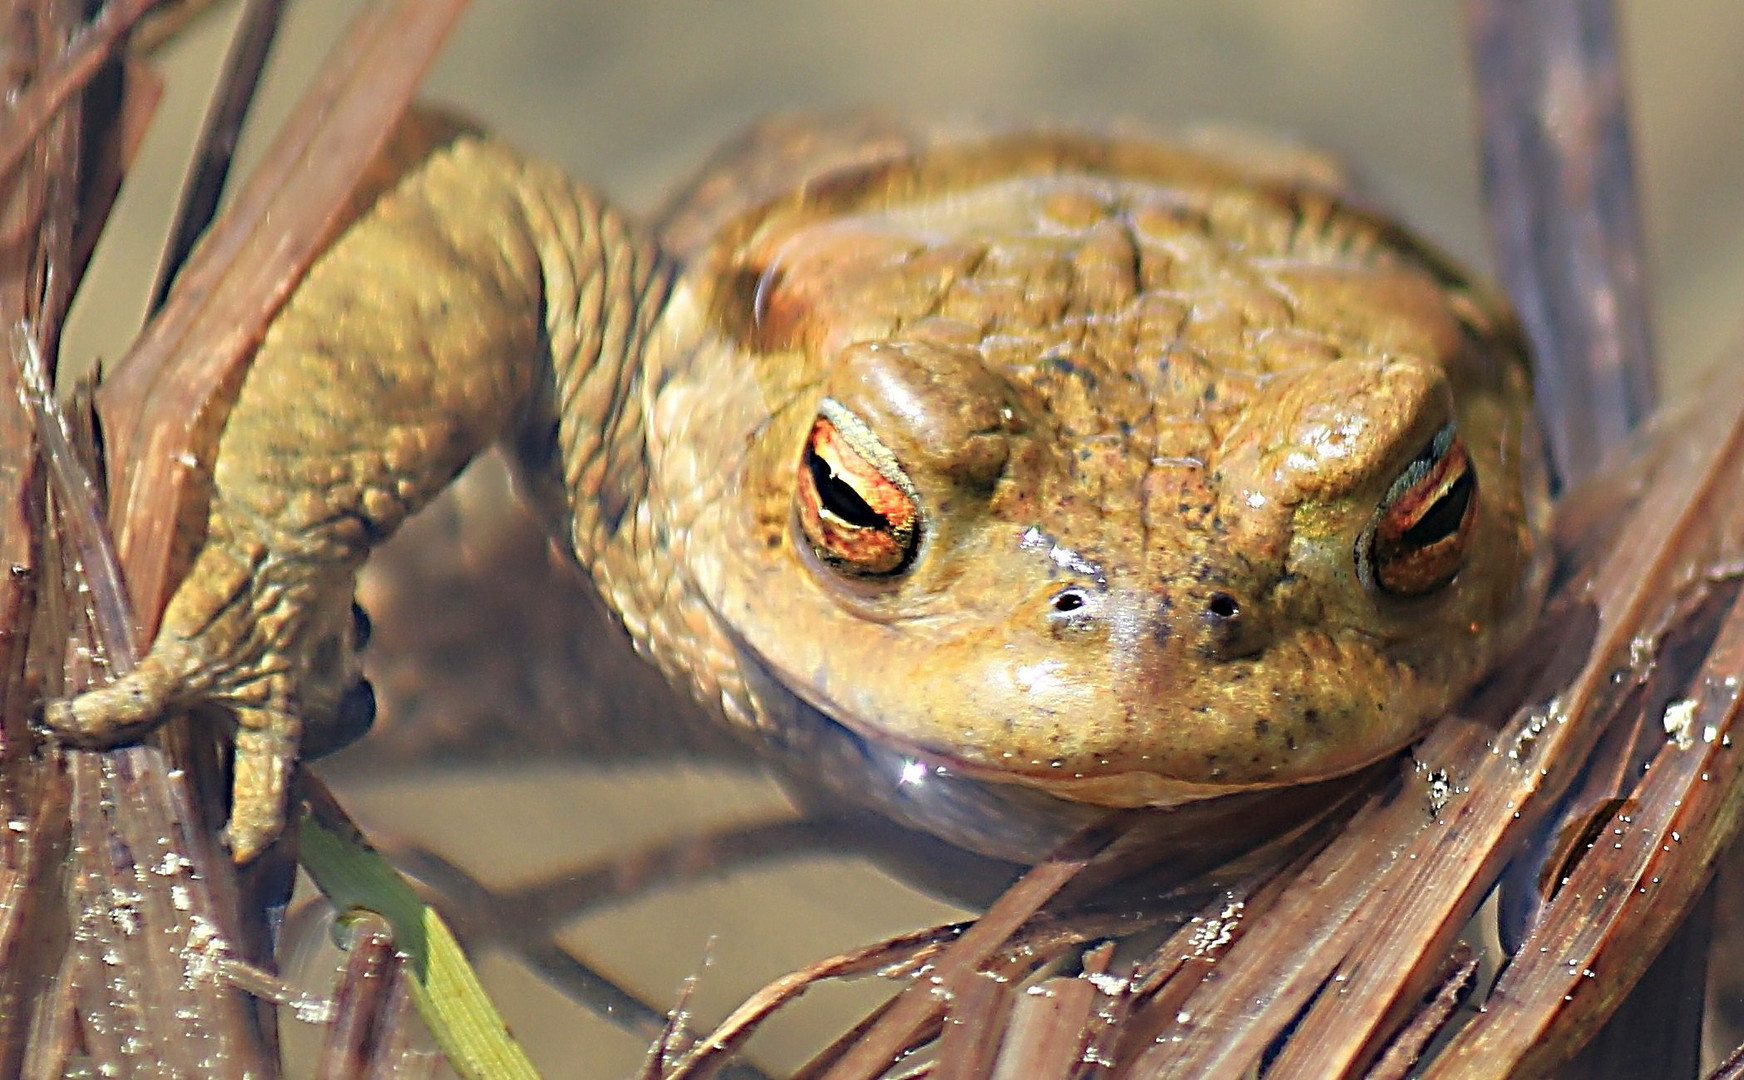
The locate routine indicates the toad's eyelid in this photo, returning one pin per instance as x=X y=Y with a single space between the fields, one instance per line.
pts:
x=1422 y=462
x=861 y=438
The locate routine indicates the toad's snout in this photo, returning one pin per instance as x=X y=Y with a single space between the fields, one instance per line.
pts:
x=1158 y=625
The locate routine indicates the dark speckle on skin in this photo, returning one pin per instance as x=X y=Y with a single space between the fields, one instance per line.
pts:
x=1262 y=728
x=1065 y=365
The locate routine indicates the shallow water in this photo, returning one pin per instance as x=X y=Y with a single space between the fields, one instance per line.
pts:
x=631 y=95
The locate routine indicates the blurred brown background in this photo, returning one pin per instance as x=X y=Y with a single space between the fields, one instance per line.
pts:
x=629 y=96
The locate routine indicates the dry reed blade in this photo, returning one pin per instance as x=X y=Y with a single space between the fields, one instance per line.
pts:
x=1621 y=902
x=138 y=91
x=249 y=49
x=1406 y=1050
x=1049 y=1026
x=742 y=1023
x=973 y=1027
x=921 y=1003
x=360 y=999
x=37 y=106
x=1560 y=191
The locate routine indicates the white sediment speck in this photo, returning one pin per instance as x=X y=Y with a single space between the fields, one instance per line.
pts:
x=1679 y=721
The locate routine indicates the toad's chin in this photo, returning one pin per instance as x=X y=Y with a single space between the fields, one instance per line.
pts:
x=999 y=814
x=927 y=792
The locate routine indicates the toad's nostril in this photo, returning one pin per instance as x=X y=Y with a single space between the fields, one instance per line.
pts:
x=1232 y=627
x=1076 y=613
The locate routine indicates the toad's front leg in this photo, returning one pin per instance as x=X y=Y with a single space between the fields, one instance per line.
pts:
x=471 y=296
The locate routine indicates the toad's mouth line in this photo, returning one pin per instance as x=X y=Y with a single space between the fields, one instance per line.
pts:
x=835 y=762
x=796 y=704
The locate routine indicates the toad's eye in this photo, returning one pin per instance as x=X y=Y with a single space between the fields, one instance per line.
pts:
x=1420 y=533
x=856 y=506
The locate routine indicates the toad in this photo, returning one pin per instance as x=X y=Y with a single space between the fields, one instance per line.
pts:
x=1125 y=472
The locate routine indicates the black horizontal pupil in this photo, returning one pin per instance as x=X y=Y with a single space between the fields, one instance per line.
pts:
x=1442 y=520
x=839 y=497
